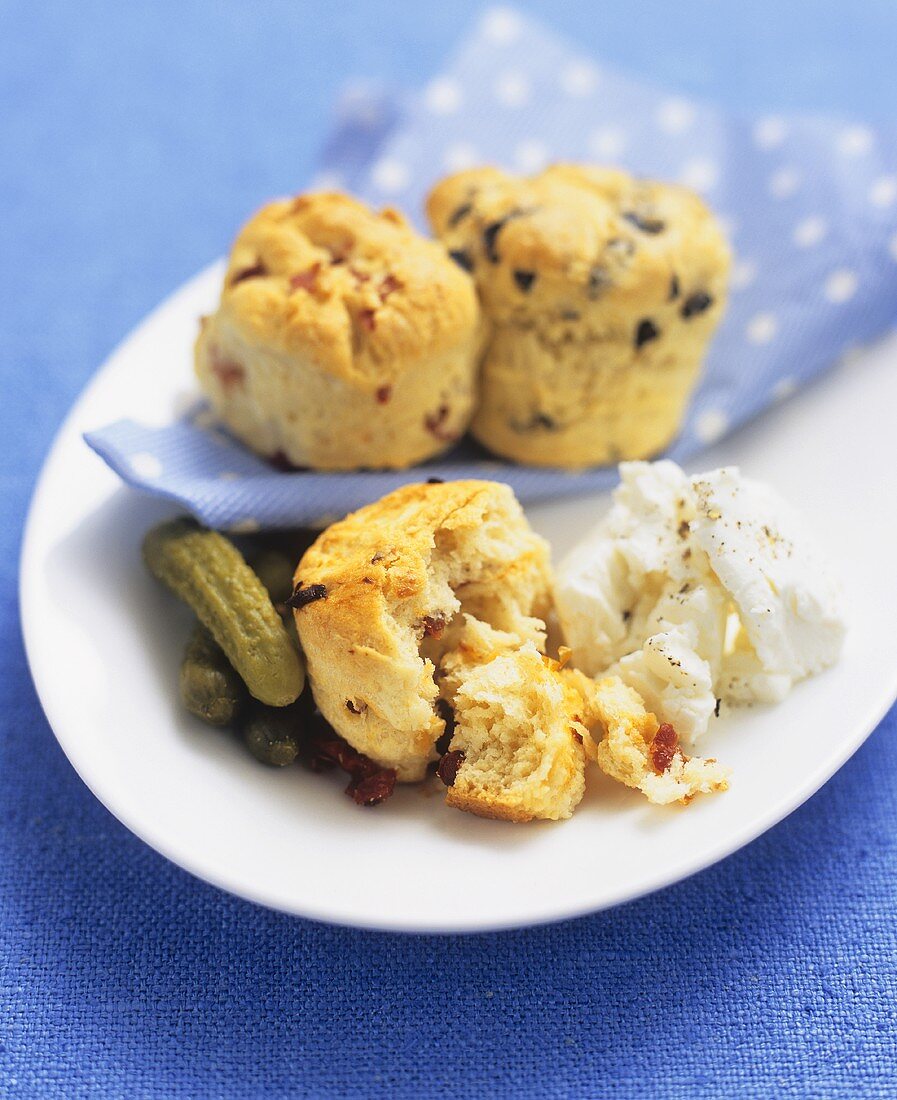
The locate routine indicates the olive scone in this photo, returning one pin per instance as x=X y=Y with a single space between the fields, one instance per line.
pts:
x=379 y=600
x=342 y=339
x=602 y=292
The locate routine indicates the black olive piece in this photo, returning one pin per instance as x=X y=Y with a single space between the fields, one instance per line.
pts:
x=462 y=259
x=674 y=289
x=524 y=279
x=645 y=331
x=492 y=230
x=490 y=233
x=461 y=212
x=435 y=481
x=645 y=222
x=302 y=595
x=696 y=303
x=538 y=420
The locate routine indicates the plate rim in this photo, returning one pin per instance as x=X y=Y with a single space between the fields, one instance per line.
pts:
x=861 y=728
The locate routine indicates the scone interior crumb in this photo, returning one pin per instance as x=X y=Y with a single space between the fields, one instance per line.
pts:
x=515 y=727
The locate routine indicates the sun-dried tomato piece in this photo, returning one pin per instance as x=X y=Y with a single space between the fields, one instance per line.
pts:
x=384 y=393
x=371 y=790
x=448 y=766
x=435 y=424
x=306 y=280
x=321 y=749
x=367 y=319
x=434 y=625
x=664 y=748
x=229 y=373
x=388 y=285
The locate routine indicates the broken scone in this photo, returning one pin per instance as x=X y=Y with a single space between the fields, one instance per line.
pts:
x=379 y=599
x=517 y=748
x=630 y=745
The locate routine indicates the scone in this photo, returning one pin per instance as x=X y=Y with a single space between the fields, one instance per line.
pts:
x=516 y=751
x=378 y=603
x=342 y=340
x=630 y=745
x=602 y=293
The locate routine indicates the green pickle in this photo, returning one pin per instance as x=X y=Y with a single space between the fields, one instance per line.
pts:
x=210 y=688
x=272 y=736
x=208 y=572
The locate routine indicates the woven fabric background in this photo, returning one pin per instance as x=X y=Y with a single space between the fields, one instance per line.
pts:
x=134 y=138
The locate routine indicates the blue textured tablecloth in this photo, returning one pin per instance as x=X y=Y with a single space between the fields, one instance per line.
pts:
x=135 y=136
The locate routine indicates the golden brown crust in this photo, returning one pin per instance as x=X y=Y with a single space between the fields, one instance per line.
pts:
x=358 y=293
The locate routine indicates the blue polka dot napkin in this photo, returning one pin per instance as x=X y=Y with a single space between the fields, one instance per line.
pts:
x=810 y=205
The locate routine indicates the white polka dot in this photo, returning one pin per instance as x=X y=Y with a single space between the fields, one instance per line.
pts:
x=728 y=225
x=228 y=475
x=809 y=232
x=841 y=285
x=770 y=132
x=785 y=387
x=459 y=156
x=512 y=89
x=245 y=526
x=501 y=26
x=146 y=465
x=390 y=175
x=606 y=142
x=784 y=183
x=700 y=174
x=443 y=96
x=892 y=247
x=743 y=274
x=674 y=116
x=855 y=141
x=883 y=191
x=530 y=156
x=761 y=328
x=579 y=78
x=327 y=181
x=711 y=425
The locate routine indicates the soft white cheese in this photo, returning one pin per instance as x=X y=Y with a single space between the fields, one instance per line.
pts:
x=788 y=603
x=649 y=594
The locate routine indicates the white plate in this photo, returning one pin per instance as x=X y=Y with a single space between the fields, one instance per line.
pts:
x=104 y=643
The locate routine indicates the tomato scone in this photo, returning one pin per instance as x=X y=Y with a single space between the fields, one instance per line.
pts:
x=342 y=340
x=379 y=600
x=602 y=292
